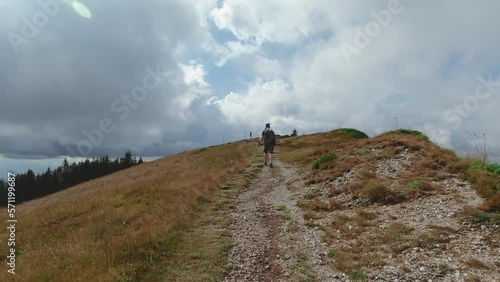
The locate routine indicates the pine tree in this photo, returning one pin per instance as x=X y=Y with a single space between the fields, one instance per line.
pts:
x=127 y=160
x=30 y=186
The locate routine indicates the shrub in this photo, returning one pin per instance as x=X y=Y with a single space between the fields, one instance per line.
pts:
x=365 y=174
x=472 y=262
x=413 y=184
x=333 y=204
x=357 y=276
x=459 y=166
x=319 y=205
x=492 y=204
x=486 y=180
x=354 y=133
x=281 y=208
x=375 y=192
x=493 y=168
x=420 y=185
x=321 y=160
x=408 y=131
x=486 y=218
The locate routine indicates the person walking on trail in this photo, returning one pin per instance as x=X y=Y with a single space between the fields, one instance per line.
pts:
x=269 y=139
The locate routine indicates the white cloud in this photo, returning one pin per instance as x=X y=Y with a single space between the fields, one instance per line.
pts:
x=267 y=68
x=279 y=21
x=254 y=23
x=212 y=100
x=283 y=65
x=408 y=58
x=198 y=88
x=194 y=74
x=235 y=49
x=265 y=101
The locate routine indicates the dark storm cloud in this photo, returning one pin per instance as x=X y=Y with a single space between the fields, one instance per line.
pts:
x=68 y=89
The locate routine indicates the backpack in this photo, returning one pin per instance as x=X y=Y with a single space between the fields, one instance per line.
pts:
x=269 y=137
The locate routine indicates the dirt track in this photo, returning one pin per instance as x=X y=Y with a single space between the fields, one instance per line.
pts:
x=271 y=239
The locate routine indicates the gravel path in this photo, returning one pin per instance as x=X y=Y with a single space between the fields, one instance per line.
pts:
x=273 y=242
x=271 y=239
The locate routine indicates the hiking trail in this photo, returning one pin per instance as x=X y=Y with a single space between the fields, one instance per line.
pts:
x=271 y=239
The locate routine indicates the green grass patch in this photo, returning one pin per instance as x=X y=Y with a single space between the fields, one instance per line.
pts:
x=357 y=276
x=493 y=168
x=486 y=218
x=322 y=159
x=413 y=184
x=485 y=179
x=354 y=133
x=304 y=270
x=420 y=185
x=285 y=213
x=408 y=131
x=281 y=208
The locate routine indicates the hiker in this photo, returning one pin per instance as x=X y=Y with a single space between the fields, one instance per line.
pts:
x=250 y=134
x=269 y=139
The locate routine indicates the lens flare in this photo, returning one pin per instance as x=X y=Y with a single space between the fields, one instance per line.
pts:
x=81 y=9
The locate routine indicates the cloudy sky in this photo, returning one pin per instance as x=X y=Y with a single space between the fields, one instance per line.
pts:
x=82 y=79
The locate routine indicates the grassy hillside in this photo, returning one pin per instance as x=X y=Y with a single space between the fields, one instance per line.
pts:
x=354 y=179
x=330 y=155
x=167 y=220
x=135 y=225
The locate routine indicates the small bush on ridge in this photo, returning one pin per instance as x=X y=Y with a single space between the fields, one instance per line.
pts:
x=321 y=160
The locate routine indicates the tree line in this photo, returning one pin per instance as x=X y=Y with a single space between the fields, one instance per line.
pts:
x=30 y=185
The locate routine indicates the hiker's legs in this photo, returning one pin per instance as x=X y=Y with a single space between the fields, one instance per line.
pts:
x=271 y=151
x=266 y=154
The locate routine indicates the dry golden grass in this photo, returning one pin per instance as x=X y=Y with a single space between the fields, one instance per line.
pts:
x=473 y=262
x=128 y=226
x=459 y=166
x=419 y=163
x=487 y=185
x=473 y=278
x=375 y=191
x=366 y=174
x=429 y=163
x=305 y=149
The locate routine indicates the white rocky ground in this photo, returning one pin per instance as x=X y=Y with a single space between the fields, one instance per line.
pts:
x=271 y=239
x=273 y=242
